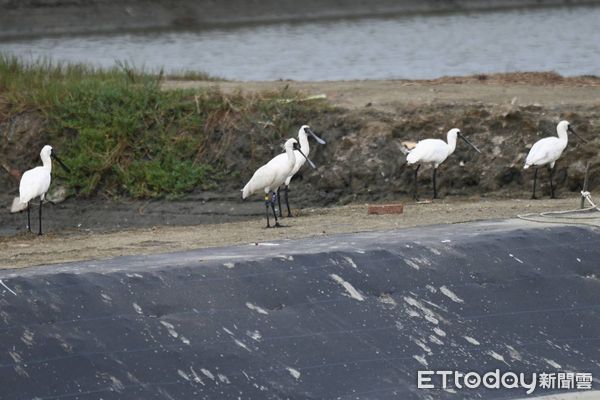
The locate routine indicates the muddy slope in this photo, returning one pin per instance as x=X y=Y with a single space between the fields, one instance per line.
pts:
x=362 y=159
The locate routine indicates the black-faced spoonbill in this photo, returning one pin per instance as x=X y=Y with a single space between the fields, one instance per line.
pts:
x=305 y=148
x=272 y=175
x=547 y=150
x=434 y=151
x=35 y=183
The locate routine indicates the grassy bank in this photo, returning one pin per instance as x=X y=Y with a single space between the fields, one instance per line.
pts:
x=122 y=135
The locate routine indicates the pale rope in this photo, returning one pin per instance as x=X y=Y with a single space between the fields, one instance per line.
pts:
x=576 y=216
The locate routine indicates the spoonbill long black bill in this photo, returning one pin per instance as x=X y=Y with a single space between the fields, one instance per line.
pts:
x=435 y=152
x=547 y=150
x=272 y=175
x=305 y=148
x=35 y=183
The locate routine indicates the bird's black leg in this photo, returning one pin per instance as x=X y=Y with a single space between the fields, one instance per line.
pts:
x=287 y=203
x=279 y=202
x=552 y=196
x=434 y=188
x=28 y=216
x=534 y=183
x=41 y=204
x=267 y=202
x=415 y=196
x=273 y=207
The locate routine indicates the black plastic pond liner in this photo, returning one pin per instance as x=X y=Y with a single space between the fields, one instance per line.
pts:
x=349 y=316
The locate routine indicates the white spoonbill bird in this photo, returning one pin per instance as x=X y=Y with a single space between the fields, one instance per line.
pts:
x=35 y=183
x=305 y=148
x=272 y=175
x=547 y=150
x=434 y=151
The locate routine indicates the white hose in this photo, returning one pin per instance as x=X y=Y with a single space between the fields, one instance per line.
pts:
x=572 y=217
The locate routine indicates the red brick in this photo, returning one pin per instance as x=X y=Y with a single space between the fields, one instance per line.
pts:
x=379 y=209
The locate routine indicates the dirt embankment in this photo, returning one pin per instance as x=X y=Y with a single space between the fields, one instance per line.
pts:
x=503 y=115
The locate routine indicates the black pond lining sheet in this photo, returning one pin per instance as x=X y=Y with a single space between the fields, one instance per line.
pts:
x=356 y=321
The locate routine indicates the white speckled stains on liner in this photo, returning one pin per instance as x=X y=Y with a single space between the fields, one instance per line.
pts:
x=6 y=287
x=515 y=258
x=207 y=373
x=439 y=332
x=352 y=292
x=27 y=337
x=294 y=372
x=552 y=363
x=183 y=375
x=434 y=339
x=196 y=377
x=351 y=262
x=242 y=344
x=256 y=308
x=170 y=328
x=497 y=356
x=472 y=340
x=428 y=314
x=421 y=360
x=388 y=300
x=422 y=345
x=513 y=353
x=432 y=289
x=451 y=295
x=254 y=335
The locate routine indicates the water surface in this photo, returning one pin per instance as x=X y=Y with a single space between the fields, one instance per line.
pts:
x=565 y=40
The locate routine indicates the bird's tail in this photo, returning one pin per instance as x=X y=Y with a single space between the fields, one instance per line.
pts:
x=17 y=205
x=246 y=191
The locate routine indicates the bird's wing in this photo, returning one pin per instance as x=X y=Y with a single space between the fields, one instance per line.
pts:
x=261 y=179
x=428 y=150
x=544 y=151
x=34 y=183
x=270 y=175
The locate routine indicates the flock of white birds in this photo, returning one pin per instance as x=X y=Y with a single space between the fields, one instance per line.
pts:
x=278 y=172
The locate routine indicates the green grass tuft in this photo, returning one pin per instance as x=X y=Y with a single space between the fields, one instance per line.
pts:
x=122 y=135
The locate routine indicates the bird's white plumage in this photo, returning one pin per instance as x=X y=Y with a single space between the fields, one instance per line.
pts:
x=548 y=150
x=300 y=160
x=36 y=182
x=273 y=174
x=434 y=151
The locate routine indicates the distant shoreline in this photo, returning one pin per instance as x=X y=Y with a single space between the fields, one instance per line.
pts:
x=28 y=18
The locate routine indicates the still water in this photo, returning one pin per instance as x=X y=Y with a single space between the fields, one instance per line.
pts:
x=565 y=40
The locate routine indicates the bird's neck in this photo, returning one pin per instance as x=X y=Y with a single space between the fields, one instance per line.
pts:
x=563 y=136
x=291 y=156
x=304 y=146
x=47 y=162
x=451 y=145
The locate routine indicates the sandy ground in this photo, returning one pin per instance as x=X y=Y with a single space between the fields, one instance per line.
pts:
x=29 y=250
x=388 y=95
